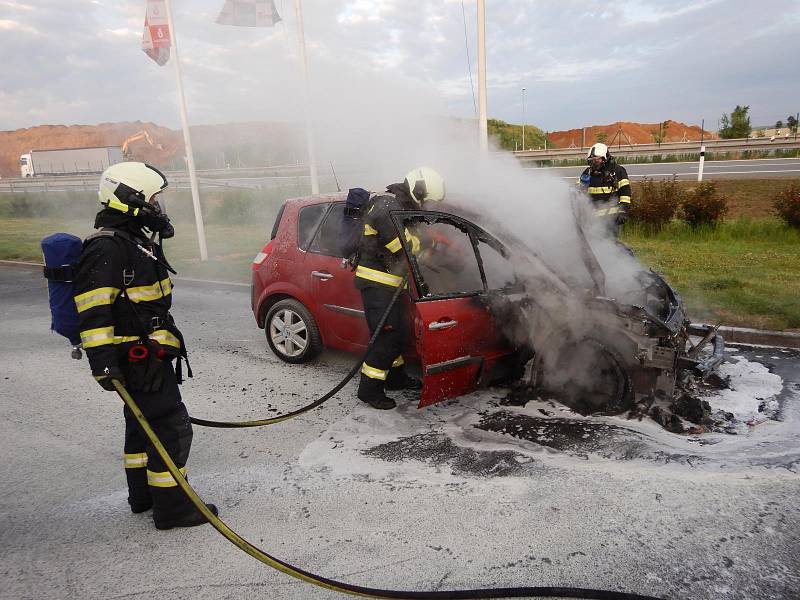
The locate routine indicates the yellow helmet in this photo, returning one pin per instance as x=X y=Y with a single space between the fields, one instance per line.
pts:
x=425 y=185
x=128 y=186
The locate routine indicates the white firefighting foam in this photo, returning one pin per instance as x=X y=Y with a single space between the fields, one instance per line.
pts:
x=752 y=391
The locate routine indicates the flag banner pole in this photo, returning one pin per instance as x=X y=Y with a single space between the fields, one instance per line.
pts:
x=198 y=215
x=482 y=121
x=301 y=46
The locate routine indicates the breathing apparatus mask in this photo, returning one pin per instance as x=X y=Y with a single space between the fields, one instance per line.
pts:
x=130 y=188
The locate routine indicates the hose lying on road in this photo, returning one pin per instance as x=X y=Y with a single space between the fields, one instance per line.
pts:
x=319 y=401
x=338 y=586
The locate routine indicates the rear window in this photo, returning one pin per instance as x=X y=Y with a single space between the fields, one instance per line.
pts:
x=308 y=223
x=277 y=221
x=330 y=238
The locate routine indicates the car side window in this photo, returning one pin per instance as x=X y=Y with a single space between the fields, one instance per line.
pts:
x=308 y=222
x=500 y=274
x=330 y=238
x=446 y=260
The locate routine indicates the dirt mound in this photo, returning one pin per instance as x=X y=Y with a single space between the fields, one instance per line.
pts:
x=167 y=143
x=623 y=132
x=215 y=146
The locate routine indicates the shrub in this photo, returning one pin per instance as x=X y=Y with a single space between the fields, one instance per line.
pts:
x=655 y=203
x=787 y=205
x=704 y=205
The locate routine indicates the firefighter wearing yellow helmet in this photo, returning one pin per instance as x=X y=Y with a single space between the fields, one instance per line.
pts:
x=123 y=294
x=608 y=187
x=380 y=269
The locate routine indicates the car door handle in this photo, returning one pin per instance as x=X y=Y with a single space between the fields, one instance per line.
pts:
x=321 y=275
x=442 y=325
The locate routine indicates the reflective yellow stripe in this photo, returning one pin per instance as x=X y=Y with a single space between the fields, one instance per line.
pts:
x=398 y=362
x=135 y=461
x=165 y=338
x=163 y=479
x=369 y=230
x=607 y=211
x=373 y=373
x=96 y=297
x=413 y=240
x=625 y=199
x=97 y=337
x=124 y=339
x=601 y=190
x=116 y=204
x=623 y=183
x=378 y=276
x=145 y=293
x=394 y=245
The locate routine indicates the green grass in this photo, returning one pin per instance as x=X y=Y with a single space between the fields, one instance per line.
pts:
x=745 y=272
x=231 y=248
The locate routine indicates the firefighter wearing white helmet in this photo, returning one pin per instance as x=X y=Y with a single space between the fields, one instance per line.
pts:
x=608 y=187
x=123 y=294
x=379 y=272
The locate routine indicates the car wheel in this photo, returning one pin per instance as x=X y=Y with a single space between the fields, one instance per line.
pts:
x=587 y=376
x=292 y=333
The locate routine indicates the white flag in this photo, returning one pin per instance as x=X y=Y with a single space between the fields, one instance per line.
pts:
x=156 y=39
x=249 y=13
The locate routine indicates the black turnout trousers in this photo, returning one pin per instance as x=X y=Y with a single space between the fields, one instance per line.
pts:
x=149 y=482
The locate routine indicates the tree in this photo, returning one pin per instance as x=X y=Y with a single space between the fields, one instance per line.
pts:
x=737 y=125
x=778 y=124
x=791 y=123
x=601 y=137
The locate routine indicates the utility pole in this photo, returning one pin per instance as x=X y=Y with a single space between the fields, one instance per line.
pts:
x=301 y=45
x=483 y=134
x=523 y=119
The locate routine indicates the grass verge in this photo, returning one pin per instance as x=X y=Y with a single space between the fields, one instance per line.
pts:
x=745 y=272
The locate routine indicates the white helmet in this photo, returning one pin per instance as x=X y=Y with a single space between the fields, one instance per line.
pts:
x=129 y=186
x=425 y=185
x=598 y=150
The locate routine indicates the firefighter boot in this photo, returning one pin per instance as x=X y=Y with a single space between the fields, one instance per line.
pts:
x=398 y=379
x=191 y=520
x=371 y=391
x=139 y=497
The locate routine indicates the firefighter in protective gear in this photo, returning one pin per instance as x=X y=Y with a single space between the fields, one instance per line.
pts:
x=123 y=294
x=608 y=186
x=379 y=272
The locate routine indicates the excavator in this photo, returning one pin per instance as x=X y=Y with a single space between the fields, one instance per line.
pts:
x=141 y=135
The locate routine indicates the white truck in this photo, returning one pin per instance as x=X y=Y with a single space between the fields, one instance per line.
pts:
x=69 y=161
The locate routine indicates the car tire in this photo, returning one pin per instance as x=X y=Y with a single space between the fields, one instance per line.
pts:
x=292 y=333
x=601 y=385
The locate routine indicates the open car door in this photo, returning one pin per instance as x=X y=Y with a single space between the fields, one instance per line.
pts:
x=457 y=269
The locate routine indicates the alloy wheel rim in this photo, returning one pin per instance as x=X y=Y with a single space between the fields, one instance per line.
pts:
x=288 y=332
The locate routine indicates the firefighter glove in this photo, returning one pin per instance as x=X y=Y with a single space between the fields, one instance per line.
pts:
x=105 y=377
x=146 y=375
x=622 y=216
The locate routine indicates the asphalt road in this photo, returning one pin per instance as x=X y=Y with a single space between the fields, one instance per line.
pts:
x=461 y=495
x=721 y=169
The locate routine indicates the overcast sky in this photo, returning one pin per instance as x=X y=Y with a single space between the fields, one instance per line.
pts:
x=583 y=62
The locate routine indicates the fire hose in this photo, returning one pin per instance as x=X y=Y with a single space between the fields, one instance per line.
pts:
x=319 y=401
x=338 y=586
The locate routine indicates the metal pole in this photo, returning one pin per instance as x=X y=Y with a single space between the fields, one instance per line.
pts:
x=187 y=140
x=702 y=151
x=583 y=138
x=483 y=134
x=523 y=119
x=797 y=116
x=301 y=46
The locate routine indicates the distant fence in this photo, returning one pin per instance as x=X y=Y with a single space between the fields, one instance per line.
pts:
x=669 y=148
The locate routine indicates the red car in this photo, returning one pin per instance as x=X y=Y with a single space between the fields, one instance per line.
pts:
x=304 y=296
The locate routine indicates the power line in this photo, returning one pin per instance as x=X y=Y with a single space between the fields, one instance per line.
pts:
x=469 y=64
